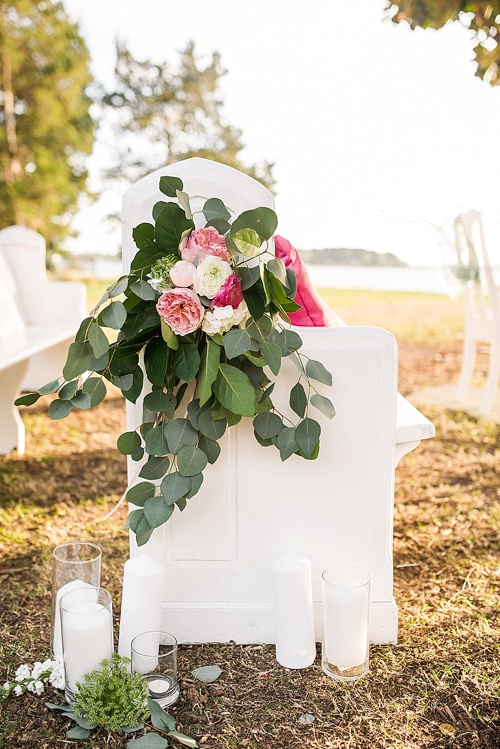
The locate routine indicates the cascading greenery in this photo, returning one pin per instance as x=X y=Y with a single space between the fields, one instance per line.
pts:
x=198 y=384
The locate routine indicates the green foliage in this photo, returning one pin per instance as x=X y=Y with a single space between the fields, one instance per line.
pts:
x=220 y=370
x=46 y=131
x=481 y=18
x=112 y=697
x=178 y=109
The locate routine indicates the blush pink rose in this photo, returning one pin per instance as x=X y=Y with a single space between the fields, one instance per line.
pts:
x=182 y=273
x=230 y=293
x=203 y=242
x=181 y=309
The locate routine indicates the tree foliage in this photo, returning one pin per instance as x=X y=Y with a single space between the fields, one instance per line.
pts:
x=482 y=17
x=177 y=110
x=46 y=129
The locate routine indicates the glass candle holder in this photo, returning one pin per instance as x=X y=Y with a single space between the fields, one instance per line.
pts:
x=154 y=655
x=346 y=606
x=75 y=564
x=87 y=634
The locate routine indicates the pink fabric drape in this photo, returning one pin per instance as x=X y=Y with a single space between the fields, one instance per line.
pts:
x=312 y=312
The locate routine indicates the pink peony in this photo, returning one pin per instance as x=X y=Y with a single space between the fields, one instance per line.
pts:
x=182 y=273
x=181 y=309
x=230 y=293
x=203 y=242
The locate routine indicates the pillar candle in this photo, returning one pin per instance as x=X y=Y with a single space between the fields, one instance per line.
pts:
x=346 y=626
x=141 y=600
x=293 y=612
x=57 y=647
x=87 y=631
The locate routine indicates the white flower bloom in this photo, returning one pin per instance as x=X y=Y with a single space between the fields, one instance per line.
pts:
x=36 y=687
x=210 y=275
x=222 y=319
x=23 y=672
x=56 y=678
x=18 y=690
x=38 y=669
x=6 y=686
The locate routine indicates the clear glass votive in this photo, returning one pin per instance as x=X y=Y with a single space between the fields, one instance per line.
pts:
x=75 y=564
x=87 y=634
x=346 y=607
x=154 y=655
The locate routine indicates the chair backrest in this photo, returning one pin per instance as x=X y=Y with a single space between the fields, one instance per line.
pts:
x=202 y=179
x=472 y=254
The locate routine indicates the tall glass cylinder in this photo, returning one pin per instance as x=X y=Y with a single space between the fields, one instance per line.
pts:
x=75 y=564
x=346 y=606
x=87 y=633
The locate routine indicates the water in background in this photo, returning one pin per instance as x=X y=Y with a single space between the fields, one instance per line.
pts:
x=430 y=280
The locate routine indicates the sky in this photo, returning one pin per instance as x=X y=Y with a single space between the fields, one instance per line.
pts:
x=378 y=134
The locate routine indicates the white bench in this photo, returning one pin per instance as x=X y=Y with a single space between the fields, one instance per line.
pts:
x=251 y=506
x=38 y=321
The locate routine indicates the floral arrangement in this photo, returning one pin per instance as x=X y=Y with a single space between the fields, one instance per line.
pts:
x=34 y=680
x=206 y=312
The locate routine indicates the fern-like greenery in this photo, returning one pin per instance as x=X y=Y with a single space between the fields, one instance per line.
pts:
x=112 y=697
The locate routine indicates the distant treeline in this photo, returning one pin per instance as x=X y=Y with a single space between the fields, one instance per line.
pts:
x=346 y=256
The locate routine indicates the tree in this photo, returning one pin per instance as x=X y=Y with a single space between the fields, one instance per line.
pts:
x=46 y=129
x=482 y=17
x=177 y=111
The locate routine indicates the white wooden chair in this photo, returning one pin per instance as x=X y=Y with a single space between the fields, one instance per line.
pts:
x=481 y=306
x=252 y=506
x=38 y=321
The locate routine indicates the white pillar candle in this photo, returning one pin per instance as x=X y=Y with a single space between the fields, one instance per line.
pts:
x=57 y=646
x=141 y=600
x=345 y=622
x=293 y=611
x=87 y=631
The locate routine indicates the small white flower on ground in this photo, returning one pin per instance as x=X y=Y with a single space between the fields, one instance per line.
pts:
x=6 y=686
x=37 y=670
x=36 y=687
x=18 y=690
x=56 y=678
x=23 y=672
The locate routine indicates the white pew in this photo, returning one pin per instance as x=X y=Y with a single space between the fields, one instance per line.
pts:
x=38 y=321
x=252 y=506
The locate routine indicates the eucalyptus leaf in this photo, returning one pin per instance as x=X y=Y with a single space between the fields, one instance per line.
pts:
x=118 y=287
x=159 y=717
x=208 y=674
x=143 y=290
x=156 y=511
x=260 y=328
x=98 y=340
x=68 y=390
x=267 y=425
x=191 y=460
x=138 y=494
x=247 y=242
x=210 y=427
x=277 y=268
x=215 y=208
x=183 y=739
x=262 y=220
x=27 y=400
x=249 y=276
x=148 y=741
x=139 y=525
x=50 y=387
x=170 y=185
x=159 y=401
x=196 y=482
x=272 y=354
x=82 y=400
x=169 y=336
x=236 y=342
x=114 y=315
x=234 y=390
x=133 y=392
x=180 y=433
x=186 y=361
x=156 y=356
x=323 y=404
x=154 y=468
x=78 y=360
x=209 y=367
x=298 y=399
x=96 y=388
x=210 y=447
x=287 y=444
x=59 y=409
x=174 y=486
x=127 y=441
x=307 y=435
x=77 y=732
x=317 y=371
x=156 y=441
x=183 y=199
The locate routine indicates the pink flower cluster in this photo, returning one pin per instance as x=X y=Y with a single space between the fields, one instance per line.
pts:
x=206 y=266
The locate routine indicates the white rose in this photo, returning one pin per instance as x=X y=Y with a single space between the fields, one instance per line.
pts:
x=222 y=319
x=210 y=275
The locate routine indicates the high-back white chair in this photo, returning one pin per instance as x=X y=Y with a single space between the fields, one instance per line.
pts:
x=481 y=306
x=252 y=506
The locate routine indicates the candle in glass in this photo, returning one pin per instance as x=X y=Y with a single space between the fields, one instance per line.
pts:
x=87 y=633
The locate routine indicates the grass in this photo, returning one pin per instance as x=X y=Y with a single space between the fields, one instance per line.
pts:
x=439 y=687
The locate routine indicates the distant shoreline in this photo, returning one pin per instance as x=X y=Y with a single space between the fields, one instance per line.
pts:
x=352 y=257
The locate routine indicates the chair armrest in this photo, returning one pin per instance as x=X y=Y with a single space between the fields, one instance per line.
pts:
x=54 y=302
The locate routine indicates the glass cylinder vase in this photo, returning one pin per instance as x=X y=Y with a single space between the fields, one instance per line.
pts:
x=154 y=655
x=346 y=606
x=75 y=564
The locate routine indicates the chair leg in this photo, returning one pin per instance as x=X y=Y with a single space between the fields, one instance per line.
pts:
x=468 y=362
x=12 y=432
x=492 y=380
